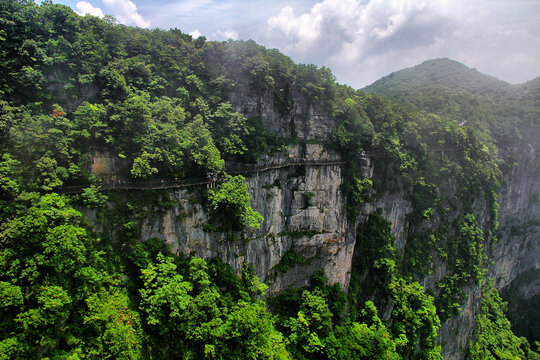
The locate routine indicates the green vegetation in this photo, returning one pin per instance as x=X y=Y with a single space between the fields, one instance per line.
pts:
x=290 y=260
x=414 y=321
x=231 y=200
x=496 y=122
x=493 y=338
x=59 y=295
x=190 y=317
x=157 y=102
x=317 y=326
x=503 y=113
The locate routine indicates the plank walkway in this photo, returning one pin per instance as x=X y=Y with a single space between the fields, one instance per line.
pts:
x=232 y=169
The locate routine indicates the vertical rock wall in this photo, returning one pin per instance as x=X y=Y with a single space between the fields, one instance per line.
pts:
x=518 y=246
x=305 y=211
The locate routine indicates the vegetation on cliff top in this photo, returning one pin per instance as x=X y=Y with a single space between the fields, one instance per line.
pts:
x=159 y=100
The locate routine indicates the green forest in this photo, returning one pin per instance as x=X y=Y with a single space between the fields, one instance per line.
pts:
x=160 y=102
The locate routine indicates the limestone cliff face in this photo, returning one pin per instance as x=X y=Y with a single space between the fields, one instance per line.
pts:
x=303 y=207
x=518 y=247
x=305 y=119
x=516 y=266
x=515 y=263
x=456 y=332
x=304 y=211
x=515 y=253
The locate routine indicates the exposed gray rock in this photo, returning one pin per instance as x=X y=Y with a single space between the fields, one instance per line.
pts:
x=306 y=119
x=306 y=211
x=456 y=332
x=518 y=248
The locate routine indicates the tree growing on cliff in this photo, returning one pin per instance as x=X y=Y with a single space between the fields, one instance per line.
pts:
x=494 y=338
x=231 y=201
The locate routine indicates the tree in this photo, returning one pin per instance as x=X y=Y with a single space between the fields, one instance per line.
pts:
x=311 y=327
x=10 y=177
x=414 y=321
x=192 y=318
x=231 y=130
x=49 y=267
x=249 y=333
x=164 y=294
x=116 y=326
x=142 y=167
x=365 y=341
x=493 y=337
x=232 y=201
x=202 y=150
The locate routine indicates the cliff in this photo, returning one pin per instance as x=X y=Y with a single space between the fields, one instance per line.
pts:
x=395 y=205
x=304 y=212
x=305 y=215
x=518 y=242
x=516 y=267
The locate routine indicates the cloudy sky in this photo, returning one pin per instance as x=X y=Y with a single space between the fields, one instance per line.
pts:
x=360 y=40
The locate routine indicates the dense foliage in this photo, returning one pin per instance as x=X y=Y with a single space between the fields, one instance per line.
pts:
x=157 y=102
x=232 y=201
x=59 y=295
x=502 y=113
x=494 y=338
x=504 y=118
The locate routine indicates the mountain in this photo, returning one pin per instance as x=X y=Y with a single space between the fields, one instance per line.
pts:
x=439 y=73
x=504 y=113
x=448 y=87
x=508 y=114
x=168 y=197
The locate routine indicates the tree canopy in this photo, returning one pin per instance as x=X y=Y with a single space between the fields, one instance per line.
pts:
x=164 y=105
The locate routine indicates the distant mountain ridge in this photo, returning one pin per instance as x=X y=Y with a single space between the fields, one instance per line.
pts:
x=457 y=92
x=444 y=72
x=449 y=75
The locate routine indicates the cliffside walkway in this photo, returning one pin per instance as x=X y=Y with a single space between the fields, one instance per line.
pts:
x=231 y=169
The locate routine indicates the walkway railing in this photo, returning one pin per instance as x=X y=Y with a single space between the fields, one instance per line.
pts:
x=176 y=184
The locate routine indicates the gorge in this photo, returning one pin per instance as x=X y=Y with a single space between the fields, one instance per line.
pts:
x=384 y=222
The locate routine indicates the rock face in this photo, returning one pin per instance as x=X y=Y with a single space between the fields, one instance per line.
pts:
x=304 y=211
x=515 y=254
x=303 y=207
x=518 y=247
x=457 y=331
x=305 y=120
x=106 y=166
x=516 y=265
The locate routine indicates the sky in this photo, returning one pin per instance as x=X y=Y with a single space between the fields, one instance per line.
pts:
x=359 y=40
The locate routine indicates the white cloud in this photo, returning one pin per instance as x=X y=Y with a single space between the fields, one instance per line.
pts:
x=349 y=35
x=195 y=33
x=302 y=30
x=228 y=34
x=392 y=25
x=362 y=40
x=126 y=13
x=351 y=27
x=87 y=8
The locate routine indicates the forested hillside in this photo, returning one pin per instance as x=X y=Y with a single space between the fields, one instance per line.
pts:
x=507 y=116
x=504 y=112
x=169 y=108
